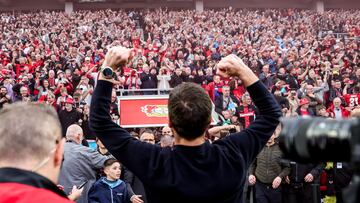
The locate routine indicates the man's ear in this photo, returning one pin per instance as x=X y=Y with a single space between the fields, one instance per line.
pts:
x=59 y=153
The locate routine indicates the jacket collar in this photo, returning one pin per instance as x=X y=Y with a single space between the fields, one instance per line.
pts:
x=14 y=175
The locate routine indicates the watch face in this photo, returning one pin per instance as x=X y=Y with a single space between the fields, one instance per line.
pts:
x=107 y=72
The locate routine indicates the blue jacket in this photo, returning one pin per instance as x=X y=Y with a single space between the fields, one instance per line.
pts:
x=103 y=192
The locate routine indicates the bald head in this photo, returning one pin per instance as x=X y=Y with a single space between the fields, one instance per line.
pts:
x=166 y=131
x=74 y=133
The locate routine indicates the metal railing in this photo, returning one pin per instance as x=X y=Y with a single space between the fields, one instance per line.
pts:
x=137 y=92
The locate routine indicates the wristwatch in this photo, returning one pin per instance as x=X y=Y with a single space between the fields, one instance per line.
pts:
x=107 y=72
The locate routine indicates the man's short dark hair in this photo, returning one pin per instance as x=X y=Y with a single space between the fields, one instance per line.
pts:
x=189 y=110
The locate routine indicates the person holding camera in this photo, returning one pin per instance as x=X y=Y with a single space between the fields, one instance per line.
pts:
x=267 y=173
x=193 y=170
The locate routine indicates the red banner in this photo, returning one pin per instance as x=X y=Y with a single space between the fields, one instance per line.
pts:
x=143 y=111
x=146 y=111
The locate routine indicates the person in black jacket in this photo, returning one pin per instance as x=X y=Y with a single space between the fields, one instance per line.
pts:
x=193 y=170
x=148 y=80
x=292 y=79
x=226 y=101
x=176 y=78
x=135 y=186
x=301 y=182
x=69 y=115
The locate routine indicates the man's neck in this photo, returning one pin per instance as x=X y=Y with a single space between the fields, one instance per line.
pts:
x=182 y=141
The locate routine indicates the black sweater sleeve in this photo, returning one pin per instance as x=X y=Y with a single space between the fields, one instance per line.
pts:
x=135 y=155
x=250 y=141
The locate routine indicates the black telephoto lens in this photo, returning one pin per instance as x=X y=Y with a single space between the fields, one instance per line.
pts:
x=312 y=140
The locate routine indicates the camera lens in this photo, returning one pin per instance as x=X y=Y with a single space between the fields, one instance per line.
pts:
x=318 y=139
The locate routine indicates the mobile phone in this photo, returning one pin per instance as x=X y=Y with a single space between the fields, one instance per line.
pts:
x=82 y=185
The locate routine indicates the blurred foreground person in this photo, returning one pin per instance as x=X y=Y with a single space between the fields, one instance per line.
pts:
x=31 y=154
x=193 y=170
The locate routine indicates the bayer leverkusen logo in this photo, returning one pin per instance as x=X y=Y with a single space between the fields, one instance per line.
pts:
x=155 y=110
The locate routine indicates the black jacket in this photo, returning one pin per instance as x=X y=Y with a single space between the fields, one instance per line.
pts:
x=205 y=173
x=68 y=118
x=219 y=103
x=292 y=81
x=134 y=184
x=148 y=81
x=299 y=171
x=175 y=80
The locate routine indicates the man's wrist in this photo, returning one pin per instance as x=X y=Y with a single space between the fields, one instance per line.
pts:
x=102 y=77
x=247 y=77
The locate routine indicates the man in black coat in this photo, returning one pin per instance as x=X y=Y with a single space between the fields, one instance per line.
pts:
x=176 y=79
x=148 y=80
x=69 y=115
x=193 y=170
x=301 y=182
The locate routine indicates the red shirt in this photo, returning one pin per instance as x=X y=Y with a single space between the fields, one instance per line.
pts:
x=304 y=112
x=21 y=193
x=352 y=99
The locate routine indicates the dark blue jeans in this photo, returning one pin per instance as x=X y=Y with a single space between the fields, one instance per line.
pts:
x=266 y=194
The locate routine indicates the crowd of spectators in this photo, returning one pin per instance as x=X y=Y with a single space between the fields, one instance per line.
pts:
x=309 y=61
